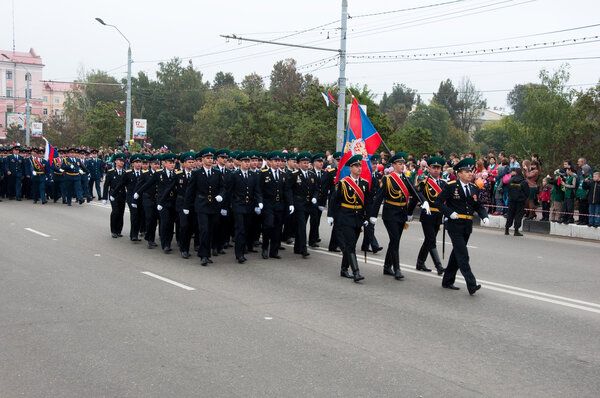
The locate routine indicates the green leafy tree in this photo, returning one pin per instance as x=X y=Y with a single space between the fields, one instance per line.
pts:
x=517 y=97
x=470 y=104
x=253 y=85
x=492 y=136
x=223 y=80
x=103 y=125
x=398 y=104
x=413 y=140
x=447 y=96
x=286 y=81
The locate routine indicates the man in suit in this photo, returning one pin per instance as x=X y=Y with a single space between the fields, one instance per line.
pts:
x=166 y=201
x=203 y=200
x=458 y=201
x=244 y=194
x=394 y=192
x=277 y=203
x=305 y=194
x=114 y=189
x=348 y=207
x=224 y=220
x=132 y=178
x=14 y=171
x=96 y=169
x=146 y=189
x=320 y=178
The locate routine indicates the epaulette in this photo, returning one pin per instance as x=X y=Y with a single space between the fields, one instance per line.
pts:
x=128 y=171
x=178 y=171
x=145 y=171
x=295 y=172
x=452 y=182
x=264 y=170
x=159 y=170
x=112 y=169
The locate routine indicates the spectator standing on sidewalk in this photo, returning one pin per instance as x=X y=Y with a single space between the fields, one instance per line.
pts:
x=570 y=184
x=557 y=195
x=593 y=188
x=531 y=173
x=544 y=198
x=584 y=175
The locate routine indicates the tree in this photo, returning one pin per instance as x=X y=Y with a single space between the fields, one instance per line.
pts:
x=223 y=80
x=517 y=97
x=470 y=104
x=413 y=140
x=285 y=80
x=398 y=104
x=253 y=85
x=492 y=136
x=447 y=96
x=103 y=125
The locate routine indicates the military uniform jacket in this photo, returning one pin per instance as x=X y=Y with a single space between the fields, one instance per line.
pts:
x=166 y=187
x=347 y=204
x=202 y=190
x=303 y=189
x=114 y=185
x=329 y=184
x=394 y=196
x=14 y=164
x=95 y=167
x=430 y=188
x=453 y=199
x=131 y=181
x=320 y=186
x=150 y=189
x=243 y=193
x=71 y=166
x=40 y=166
x=276 y=192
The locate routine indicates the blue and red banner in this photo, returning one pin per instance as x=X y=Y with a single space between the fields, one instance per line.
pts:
x=361 y=139
x=50 y=153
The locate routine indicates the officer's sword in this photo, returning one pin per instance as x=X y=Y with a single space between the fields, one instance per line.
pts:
x=444 y=240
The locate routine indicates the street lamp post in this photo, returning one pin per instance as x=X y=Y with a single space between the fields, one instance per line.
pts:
x=128 y=110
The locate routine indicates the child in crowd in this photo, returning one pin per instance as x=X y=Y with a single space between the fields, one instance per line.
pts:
x=544 y=198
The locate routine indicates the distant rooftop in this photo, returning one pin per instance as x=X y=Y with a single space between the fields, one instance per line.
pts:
x=58 y=86
x=29 y=58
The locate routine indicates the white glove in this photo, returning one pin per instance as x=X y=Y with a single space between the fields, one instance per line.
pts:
x=219 y=198
x=425 y=206
x=314 y=201
x=112 y=198
x=366 y=223
x=61 y=170
x=410 y=218
x=445 y=219
x=257 y=210
x=136 y=196
x=291 y=209
x=33 y=172
x=159 y=207
x=104 y=202
x=80 y=171
x=330 y=220
x=454 y=215
x=373 y=220
x=134 y=205
x=260 y=206
x=224 y=212
x=486 y=221
x=321 y=208
x=186 y=211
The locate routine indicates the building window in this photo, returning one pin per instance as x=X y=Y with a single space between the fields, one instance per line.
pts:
x=45 y=98
x=45 y=111
x=9 y=109
x=8 y=75
x=57 y=112
x=9 y=92
x=57 y=100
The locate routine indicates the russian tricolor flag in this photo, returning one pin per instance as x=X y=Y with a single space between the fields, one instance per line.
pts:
x=361 y=139
x=50 y=153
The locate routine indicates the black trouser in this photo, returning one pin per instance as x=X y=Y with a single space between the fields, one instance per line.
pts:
x=545 y=211
x=167 y=222
x=94 y=182
x=241 y=229
x=222 y=231
x=272 y=228
x=186 y=227
x=289 y=227
x=568 y=207
x=142 y=216
x=369 y=239
x=394 y=229
x=430 y=231
x=301 y=214
x=134 y=221
x=205 y=228
x=348 y=230
x=333 y=239
x=151 y=216
x=39 y=188
x=256 y=221
x=459 y=258
x=584 y=208
x=516 y=210
x=315 y=221
x=116 y=215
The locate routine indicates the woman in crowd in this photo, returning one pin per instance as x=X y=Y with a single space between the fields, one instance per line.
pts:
x=531 y=173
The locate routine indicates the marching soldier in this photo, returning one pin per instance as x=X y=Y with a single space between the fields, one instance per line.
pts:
x=73 y=168
x=277 y=203
x=330 y=183
x=96 y=168
x=430 y=186
x=305 y=194
x=369 y=239
x=319 y=175
x=14 y=170
x=203 y=198
x=394 y=192
x=224 y=220
x=39 y=169
x=149 y=195
x=245 y=196
x=114 y=189
x=348 y=209
x=132 y=178
x=166 y=201
x=186 y=224
x=458 y=201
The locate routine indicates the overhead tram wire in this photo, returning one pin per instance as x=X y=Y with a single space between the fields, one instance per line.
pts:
x=479 y=60
x=405 y=9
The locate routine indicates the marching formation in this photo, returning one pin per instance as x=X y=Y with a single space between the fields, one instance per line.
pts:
x=219 y=199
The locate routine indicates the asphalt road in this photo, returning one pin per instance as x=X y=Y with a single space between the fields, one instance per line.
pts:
x=81 y=316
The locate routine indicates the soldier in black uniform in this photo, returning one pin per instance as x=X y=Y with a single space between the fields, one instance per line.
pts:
x=305 y=194
x=320 y=177
x=204 y=196
x=458 y=201
x=243 y=192
x=132 y=178
x=430 y=186
x=224 y=220
x=149 y=196
x=14 y=171
x=73 y=167
x=348 y=209
x=330 y=184
x=39 y=169
x=96 y=169
x=186 y=217
x=114 y=189
x=277 y=198
x=369 y=240
x=394 y=192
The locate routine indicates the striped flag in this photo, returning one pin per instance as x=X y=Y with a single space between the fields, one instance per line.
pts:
x=50 y=153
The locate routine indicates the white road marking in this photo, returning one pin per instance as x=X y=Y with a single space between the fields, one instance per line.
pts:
x=449 y=243
x=162 y=278
x=97 y=255
x=37 y=232
x=268 y=318
x=499 y=287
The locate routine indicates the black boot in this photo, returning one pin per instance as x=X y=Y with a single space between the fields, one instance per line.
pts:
x=387 y=270
x=396 y=258
x=435 y=256
x=505 y=231
x=344 y=269
x=517 y=233
x=354 y=265
x=421 y=266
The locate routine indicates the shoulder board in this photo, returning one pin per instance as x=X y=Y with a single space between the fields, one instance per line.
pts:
x=295 y=172
x=473 y=185
x=145 y=171
x=128 y=171
x=178 y=171
x=264 y=170
x=111 y=170
x=452 y=182
x=159 y=170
